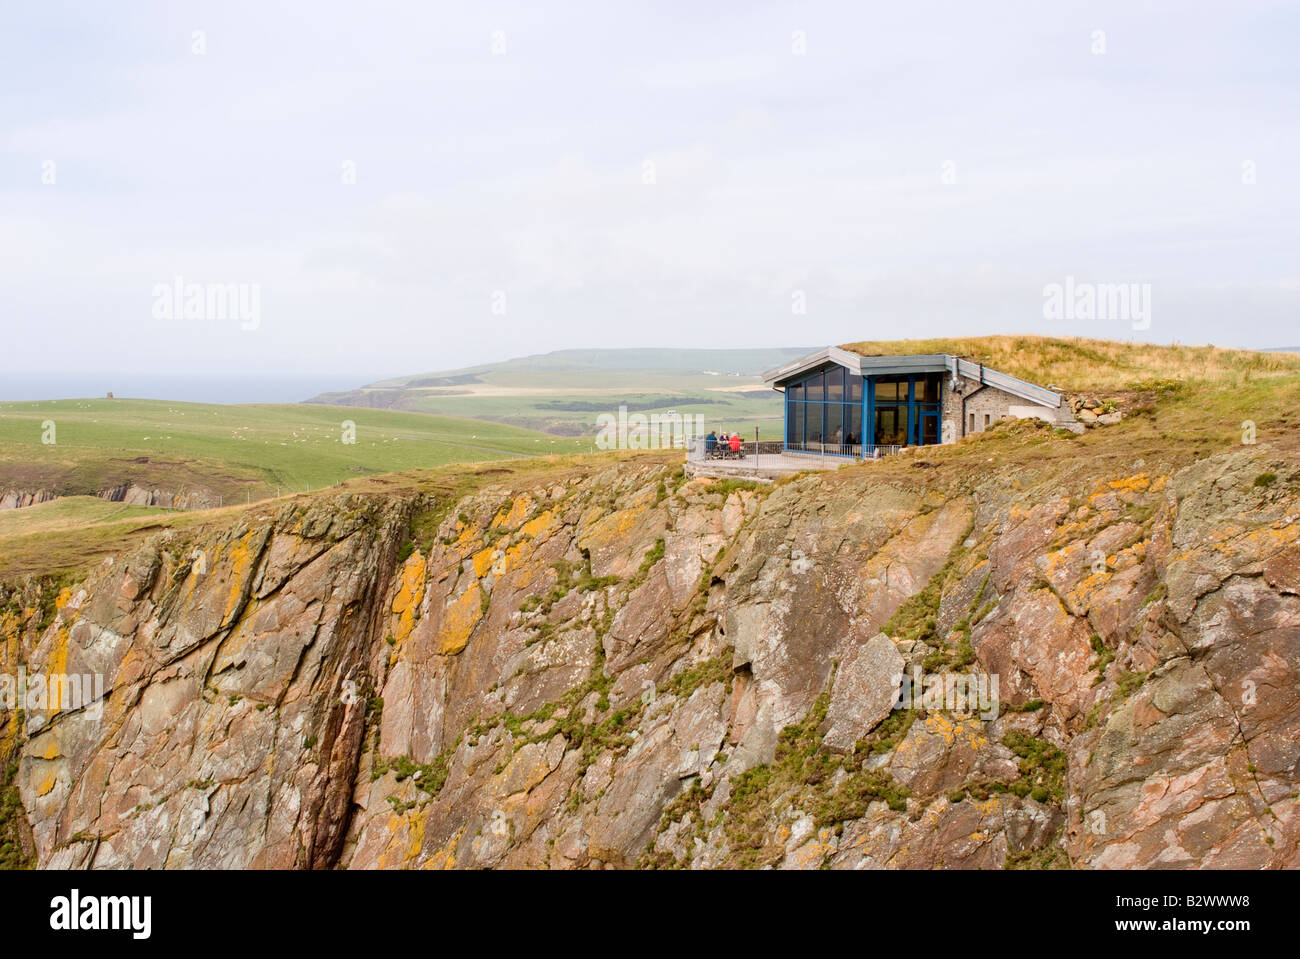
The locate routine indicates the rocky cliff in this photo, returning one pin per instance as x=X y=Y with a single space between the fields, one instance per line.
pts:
x=128 y=493
x=608 y=665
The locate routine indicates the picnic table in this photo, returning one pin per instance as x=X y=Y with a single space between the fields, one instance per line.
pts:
x=726 y=453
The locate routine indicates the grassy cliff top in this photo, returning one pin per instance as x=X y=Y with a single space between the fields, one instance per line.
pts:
x=238 y=451
x=66 y=536
x=1181 y=404
x=1079 y=364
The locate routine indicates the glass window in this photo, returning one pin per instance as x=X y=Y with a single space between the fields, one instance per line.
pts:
x=814 y=388
x=891 y=425
x=795 y=426
x=794 y=391
x=834 y=388
x=813 y=424
x=887 y=391
x=853 y=424
x=853 y=387
x=835 y=424
x=927 y=388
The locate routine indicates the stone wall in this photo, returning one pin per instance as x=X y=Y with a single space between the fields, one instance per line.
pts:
x=989 y=405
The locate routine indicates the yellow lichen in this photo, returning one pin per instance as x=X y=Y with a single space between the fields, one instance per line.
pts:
x=941 y=725
x=1132 y=484
x=511 y=518
x=57 y=665
x=461 y=616
x=539 y=524
x=482 y=561
x=406 y=601
x=241 y=564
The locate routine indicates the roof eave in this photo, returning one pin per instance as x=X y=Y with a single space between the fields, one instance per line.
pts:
x=1009 y=384
x=830 y=354
x=919 y=363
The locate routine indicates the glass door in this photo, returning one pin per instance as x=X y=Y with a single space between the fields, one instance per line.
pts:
x=929 y=426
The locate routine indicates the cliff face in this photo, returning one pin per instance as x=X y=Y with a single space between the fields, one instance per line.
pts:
x=614 y=666
x=17 y=499
x=130 y=493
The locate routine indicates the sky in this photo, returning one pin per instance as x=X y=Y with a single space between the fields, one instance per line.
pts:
x=401 y=187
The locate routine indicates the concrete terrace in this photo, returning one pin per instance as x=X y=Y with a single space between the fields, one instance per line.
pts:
x=764 y=461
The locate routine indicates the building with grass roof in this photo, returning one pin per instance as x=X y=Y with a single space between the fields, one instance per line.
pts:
x=841 y=403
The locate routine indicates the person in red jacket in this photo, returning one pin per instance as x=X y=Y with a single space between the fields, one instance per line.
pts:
x=735 y=442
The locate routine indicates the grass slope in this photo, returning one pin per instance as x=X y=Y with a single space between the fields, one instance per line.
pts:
x=239 y=451
x=75 y=532
x=1077 y=364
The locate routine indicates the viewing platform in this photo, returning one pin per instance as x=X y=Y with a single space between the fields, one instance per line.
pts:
x=840 y=407
x=770 y=460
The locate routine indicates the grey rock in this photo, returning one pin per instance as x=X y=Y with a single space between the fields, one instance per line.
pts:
x=866 y=687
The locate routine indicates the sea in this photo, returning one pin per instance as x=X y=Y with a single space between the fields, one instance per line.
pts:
x=255 y=387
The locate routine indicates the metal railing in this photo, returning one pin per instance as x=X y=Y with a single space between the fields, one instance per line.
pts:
x=875 y=451
x=755 y=453
x=698 y=450
x=857 y=451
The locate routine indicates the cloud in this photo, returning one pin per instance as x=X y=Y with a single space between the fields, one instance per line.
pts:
x=627 y=178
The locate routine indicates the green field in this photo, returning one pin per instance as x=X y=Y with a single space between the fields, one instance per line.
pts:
x=574 y=414
x=239 y=452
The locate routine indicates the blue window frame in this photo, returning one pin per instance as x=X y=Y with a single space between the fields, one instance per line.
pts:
x=814 y=388
x=836 y=412
x=904 y=410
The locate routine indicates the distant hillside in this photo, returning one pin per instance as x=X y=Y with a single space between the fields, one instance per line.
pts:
x=638 y=360
x=563 y=392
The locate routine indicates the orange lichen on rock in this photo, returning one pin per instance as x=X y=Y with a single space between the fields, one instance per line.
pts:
x=511 y=518
x=539 y=524
x=241 y=565
x=482 y=561
x=1133 y=484
x=410 y=591
x=461 y=617
x=56 y=665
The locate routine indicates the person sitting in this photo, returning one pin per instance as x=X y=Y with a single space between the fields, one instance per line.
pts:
x=735 y=443
x=710 y=445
